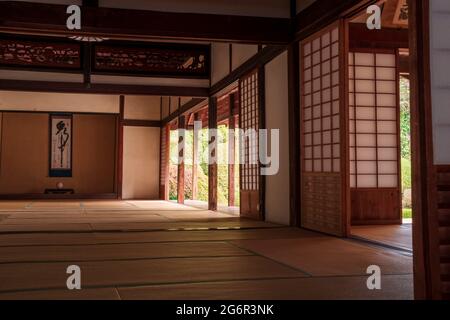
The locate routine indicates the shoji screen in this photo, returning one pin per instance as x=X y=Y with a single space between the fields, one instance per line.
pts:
x=249 y=170
x=323 y=126
x=164 y=165
x=374 y=136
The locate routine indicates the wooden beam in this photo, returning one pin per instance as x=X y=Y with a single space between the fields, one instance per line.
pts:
x=69 y=87
x=294 y=134
x=183 y=109
x=427 y=273
x=181 y=144
x=231 y=152
x=90 y=3
x=164 y=163
x=386 y=38
x=262 y=125
x=39 y=18
x=195 y=159
x=212 y=167
x=120 y=147
x=141 y=123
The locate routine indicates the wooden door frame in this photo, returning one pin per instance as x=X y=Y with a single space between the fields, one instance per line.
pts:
x=425 y=225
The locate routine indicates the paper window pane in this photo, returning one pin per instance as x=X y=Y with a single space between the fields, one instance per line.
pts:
x=327 y=165
x=365 y=113
x=307 y=49
x=366 y=73
x=386 y=73
x=364 y=59
x=307 y=75
x=367 y=86
x=387 y=140
x=366 y=154
x=365 y=99
x=387 y=181
x=336 y=165
x=387 y=154
x=387 y=127
x=326 y=39
x=365 y=140
x=317 y=165
x=327 y=151
x=365 y=126
x=386 y=87
x=387 y=113
x=367 y=181
x=387 y=167
x=326 y=137
x=366 y=167
x=386 y=100
x=385 y=60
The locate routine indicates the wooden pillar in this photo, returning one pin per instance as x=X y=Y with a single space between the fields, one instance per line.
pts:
x=231 y=151
x=119 y=168
x=195 y=159
x=294 y=133
x=164 y=163
x=181 y=143
x=262 y=125
x=212 y=167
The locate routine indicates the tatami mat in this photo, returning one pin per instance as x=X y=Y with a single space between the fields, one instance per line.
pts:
x=163 y=250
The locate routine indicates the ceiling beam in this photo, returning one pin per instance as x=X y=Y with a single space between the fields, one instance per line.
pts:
x=50 y=19
x=387 y=38
x=183 y=109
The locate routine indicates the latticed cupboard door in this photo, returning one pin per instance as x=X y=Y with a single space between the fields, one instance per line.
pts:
x=323 y=132
x=249 y=121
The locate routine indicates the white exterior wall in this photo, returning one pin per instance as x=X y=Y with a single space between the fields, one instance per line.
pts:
x=277 y=117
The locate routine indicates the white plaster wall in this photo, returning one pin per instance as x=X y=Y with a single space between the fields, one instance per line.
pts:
x=440 y=80
x=149 y=81
x=241 y=53
x=58 y=102
x=220 y=61
x=141 y=163
x=142 y=107
x=277 y=186
x=41 y=76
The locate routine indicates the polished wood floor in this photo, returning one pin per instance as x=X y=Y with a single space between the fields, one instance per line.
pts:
x=162 y=250
x=399 y=236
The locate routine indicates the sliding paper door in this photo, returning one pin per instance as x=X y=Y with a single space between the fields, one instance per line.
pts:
x=374 y=137
x=249 y=123
x=324 y=132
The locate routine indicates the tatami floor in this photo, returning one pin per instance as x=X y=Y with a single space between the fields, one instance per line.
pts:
x=163 y=250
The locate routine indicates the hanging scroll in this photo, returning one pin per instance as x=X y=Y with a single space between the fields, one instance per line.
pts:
x=60 y=145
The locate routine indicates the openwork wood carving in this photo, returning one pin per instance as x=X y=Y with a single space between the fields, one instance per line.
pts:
x=36 y=54
x=157 y=61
